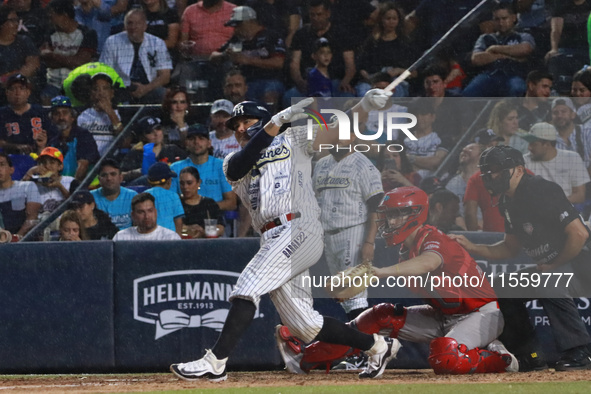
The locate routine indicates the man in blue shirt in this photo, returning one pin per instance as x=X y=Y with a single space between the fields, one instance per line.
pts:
x=111 y=197
x=213 y=181
x=168 y=203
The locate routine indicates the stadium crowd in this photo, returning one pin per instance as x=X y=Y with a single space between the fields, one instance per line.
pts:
x=74 y=74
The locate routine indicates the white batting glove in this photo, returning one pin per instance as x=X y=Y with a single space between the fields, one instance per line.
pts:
x=293 y=113
x=375 y=99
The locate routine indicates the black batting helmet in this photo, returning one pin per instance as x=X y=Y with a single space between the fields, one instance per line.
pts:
x=499 y=159
x=249 y=110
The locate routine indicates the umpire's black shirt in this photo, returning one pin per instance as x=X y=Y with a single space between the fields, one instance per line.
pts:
x=537 y=215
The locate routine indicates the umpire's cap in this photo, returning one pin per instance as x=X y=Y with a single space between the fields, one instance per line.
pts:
x=498 y=158
x=249 y=110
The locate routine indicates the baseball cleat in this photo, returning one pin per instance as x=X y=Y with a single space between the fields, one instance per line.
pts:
x=208 y=367
x=356 y=362
x=291 y=349
x=512 y=362
x=383 y=350
x=531 y=362
x=574 y=359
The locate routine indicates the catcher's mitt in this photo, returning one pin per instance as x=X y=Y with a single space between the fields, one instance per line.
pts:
x=350 y=282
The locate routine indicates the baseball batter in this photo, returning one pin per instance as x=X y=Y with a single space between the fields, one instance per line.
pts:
x=460 y=323
x=272 y=176
x=349 y=189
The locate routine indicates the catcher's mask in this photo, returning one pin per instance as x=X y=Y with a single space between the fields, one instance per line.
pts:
x=249 y=110
x=496 y=165
x=401 y=211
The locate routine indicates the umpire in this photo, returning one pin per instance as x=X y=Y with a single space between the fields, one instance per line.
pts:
x=538 y=218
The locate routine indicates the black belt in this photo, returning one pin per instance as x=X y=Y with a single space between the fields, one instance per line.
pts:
x=278 y=222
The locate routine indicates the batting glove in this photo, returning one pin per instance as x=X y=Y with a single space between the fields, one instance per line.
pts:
x=293 y=113
x=375 y=99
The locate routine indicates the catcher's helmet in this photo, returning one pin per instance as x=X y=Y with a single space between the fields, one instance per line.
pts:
x=249 y=109
x=409 y=203
x=499 y=160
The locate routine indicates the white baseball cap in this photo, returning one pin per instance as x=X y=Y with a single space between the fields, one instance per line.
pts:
x=540 y=131
x=241 y=14
x=222 y=105
x=564 y=101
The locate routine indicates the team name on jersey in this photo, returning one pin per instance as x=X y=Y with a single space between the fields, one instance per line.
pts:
x=278 y=154
x=330 y=182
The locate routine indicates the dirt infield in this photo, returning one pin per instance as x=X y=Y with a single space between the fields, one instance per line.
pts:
x=72 y=384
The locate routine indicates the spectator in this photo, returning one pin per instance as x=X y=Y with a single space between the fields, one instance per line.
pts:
x=503 y=54
x=571 y=136
x=534 y=107
x=197 y=208
x=53 y=187
x=69 y=46
x=566 y=168
x=169 y=206
x=396 y=170
x=342 y=68
x=427 y=152
x=214 y=184
x=258 y=52
x=222 y=138
x=149 y=150
x=319 y=83
x=176 y=115
x=71 y=227
x=163 y=22
x=534 y=18
x=102 y=119
x=569 y=49
x=33 y=21
x=444 y=210
x=356 y=17
x=282 y=16
x=95 y=223
x=386 y=50
x=25 y=128
x=580 y=92
x=95 y=15
x=504 y=122
x=235 y=87
x=144 y=214
x=78 y=84
x=111 y=197
x=77 y=145
x=140 y=59
x=19 y=54
x=19 y=201
x=203 y=26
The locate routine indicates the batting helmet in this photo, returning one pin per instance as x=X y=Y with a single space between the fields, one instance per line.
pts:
x=249 y=110
x=498 y=160
x=401 y=211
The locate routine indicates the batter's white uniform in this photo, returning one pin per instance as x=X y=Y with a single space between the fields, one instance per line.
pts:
x=279 y=184
x=342 y=189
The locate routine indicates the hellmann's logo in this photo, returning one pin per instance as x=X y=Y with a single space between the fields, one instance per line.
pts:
x=184 y=299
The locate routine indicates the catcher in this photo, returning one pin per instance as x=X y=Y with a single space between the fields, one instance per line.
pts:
x=460 y=323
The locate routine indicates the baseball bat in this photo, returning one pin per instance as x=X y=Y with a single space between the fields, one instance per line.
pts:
x=437 y=46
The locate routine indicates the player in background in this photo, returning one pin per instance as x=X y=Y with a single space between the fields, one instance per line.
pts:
x=272 y=176
x=540 y=219
x=453 y=319
x=348 y=189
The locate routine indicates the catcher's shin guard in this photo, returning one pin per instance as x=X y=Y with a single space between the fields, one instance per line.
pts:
x=380 y=317
x=447 y=357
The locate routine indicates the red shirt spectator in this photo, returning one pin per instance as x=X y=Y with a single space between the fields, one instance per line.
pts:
x=206 y=27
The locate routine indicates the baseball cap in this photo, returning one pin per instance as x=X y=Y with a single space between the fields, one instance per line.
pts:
x=81 y=197
x=241 y=14
x=61 y=101
x=320 y=43
x=53 y=153
x=540 y=131
x=222 y=105
x=564 y=101
x=486 y=136
x=18 y=78
x=146 y=124
x=103 y=76
x=197 y=130
x=160 y=172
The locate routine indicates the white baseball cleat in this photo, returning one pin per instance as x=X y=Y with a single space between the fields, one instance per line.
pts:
x=380 y=354
x=291 y=349
x=208 y=367
x=510 y=359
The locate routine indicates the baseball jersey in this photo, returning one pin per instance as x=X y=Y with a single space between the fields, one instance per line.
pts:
x=566 y=169
x=168 y=206
x=99 y=125
x=22 y=129
x=342 y=189
x=119 y=209
x=424 y=147
x=280 y=182
x=579 y=134
x=52 y=197
x=222 y=148
x=456 y=261
x=13 y=203
x=159 y=234
x=213 y=180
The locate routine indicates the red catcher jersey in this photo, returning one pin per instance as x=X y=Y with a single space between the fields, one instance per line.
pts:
x=474 y=291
